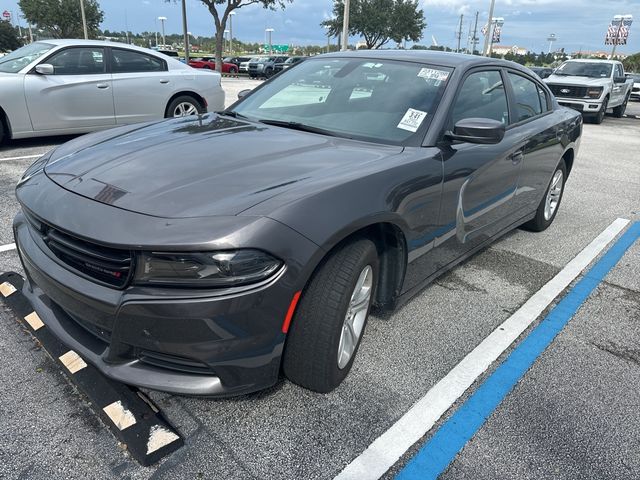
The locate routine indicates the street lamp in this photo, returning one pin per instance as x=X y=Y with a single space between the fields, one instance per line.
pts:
x=162 y=20
x=551 y=38
x=84 y=20
x=226 y=34
x=269 y=31
x=231 y=14
x=345 y=27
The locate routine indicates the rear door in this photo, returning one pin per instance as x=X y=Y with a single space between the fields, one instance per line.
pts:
x=142 y=86
x=78 y=95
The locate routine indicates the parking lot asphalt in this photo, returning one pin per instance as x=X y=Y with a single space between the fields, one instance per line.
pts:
x=573 y=415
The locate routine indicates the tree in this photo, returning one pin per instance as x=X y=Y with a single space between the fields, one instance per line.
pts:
x=379 y=21
x=632 y=63
x=62 y=18
x=8 y=37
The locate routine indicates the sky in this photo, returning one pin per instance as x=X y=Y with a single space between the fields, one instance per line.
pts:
x=579 y=25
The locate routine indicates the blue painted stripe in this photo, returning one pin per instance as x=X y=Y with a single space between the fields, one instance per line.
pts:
x=436 y=455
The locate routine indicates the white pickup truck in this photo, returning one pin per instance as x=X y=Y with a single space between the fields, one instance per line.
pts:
x=591 y=87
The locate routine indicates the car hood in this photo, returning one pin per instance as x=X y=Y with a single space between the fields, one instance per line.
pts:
x=202 y=166
x=575 y=80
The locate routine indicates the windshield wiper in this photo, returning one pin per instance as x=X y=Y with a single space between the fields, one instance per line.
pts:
x=302 y=127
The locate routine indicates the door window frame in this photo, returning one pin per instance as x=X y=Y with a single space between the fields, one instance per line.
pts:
x=105 y=58
x=110 y=64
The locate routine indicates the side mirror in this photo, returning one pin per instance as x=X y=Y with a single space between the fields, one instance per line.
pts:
x=483 y=131
x=243 y=93
x=44 y=69
x=619 y=79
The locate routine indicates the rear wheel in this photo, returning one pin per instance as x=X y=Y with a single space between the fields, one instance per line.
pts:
x=618 y=111
x=183 y=106
x=328 y=325
x=550 y=203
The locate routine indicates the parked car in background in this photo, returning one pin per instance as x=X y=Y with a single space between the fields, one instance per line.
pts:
x=209 y=63
x=591 y=87
x=635 y=90
x=244 y=66
x=264 y=67
x=542 y=72
x=56 y=87
x=287 y=217
x=237 y=61
x=288 y=63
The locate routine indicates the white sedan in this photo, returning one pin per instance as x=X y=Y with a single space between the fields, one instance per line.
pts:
x=55 y=87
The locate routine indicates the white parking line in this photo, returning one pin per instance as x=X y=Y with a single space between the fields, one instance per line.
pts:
x=20 y=158
x=387 y=449
x=6 y=248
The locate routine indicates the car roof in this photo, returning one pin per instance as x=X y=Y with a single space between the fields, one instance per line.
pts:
x=95 y=43
x=434 y=57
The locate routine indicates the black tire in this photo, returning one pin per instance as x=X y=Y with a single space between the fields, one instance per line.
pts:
x=618 y=111
x=182 y=99
x=310 y=357
x=233 y=70
x=539 y=222
x=206 y=67
x=599 y=117
x=268 y=73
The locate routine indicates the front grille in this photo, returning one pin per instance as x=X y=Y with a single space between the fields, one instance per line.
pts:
x=173 y=362
x=636 y=90
x=106 y=265
x=568 y=91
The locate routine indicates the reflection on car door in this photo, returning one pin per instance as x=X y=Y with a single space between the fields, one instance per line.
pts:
x=79 y=94
x=141 y=86
x=480 y=181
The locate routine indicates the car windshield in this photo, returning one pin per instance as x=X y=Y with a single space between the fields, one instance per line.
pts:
x=20 y=58
x=585 y=69
x=380 y=101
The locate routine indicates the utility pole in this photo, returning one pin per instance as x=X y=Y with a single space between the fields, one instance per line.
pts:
x=489 y=34
x=345 y=27
x=185 y=31
x=459 y=34
x=475 y=39
x=468 y=36
x=84 y=20
x=231 y=14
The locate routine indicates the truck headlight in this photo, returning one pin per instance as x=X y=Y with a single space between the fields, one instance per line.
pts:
x=205 y=269
x=594 y=92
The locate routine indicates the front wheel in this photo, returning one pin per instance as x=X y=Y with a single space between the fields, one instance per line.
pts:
x=550 y=203
x=183 y=106
x=233 y=70
x=328 y=325
x=599 y=118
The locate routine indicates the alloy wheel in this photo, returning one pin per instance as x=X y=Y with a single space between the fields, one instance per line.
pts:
x=184 y=109
x=355 y=318
x=553 y=195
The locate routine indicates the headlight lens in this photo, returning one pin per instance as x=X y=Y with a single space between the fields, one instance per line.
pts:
x=594 y=92
x=205 y=269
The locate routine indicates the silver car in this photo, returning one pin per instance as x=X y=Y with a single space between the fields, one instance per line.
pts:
x=57 y=87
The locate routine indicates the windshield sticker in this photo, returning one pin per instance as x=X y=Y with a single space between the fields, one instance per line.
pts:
x=412 y=120
x=432 y=73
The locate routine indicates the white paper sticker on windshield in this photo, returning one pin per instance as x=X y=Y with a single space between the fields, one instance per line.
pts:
x=432 y=73
x=412 y=120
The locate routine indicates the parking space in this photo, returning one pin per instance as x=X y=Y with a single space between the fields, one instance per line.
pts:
x=573 y=415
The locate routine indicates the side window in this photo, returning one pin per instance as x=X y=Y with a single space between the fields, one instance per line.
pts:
x=482 y=96
x=127 y=61
x=619 y=71
x=544 y=101
x=78 y=61
x=527 y=97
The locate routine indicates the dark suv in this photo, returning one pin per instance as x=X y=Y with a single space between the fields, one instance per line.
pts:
x=288 y=63
x=264 y=67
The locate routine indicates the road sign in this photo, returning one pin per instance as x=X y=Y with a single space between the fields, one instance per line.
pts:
x=276 y=48
x=6 y=15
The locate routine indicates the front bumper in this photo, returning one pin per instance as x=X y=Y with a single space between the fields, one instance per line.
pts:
x=186 y=342
x=586 y=107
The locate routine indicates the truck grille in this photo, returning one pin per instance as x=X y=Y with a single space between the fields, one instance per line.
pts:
x=106 y=265
x=568 y=91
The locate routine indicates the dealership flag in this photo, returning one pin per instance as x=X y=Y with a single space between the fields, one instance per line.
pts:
x=496 y=34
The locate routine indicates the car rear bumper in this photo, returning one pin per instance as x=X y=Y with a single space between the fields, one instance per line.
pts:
x=212 y=345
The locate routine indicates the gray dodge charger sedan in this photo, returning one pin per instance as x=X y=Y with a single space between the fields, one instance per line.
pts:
x=56 y=87
x=205 y=255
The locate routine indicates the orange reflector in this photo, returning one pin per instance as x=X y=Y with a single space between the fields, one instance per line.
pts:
x=292 y=308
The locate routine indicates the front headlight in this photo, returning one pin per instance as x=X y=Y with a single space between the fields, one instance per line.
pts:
x=594 y=92
x=205 y=269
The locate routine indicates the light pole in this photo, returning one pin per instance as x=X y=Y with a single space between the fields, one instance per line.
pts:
x=231 y=14
x=84 y=20
x=269 y=31
x=345 y=27
x=162 y=20
x=185 y=33
x=226 y=34
x=485 y=50
x=551 y=38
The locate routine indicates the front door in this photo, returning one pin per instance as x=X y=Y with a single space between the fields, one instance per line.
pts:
x=77 y=95
x=480 y=181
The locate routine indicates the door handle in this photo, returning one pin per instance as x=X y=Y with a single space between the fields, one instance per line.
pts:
x=102 y=85
x=164 y=81
x=517 y=157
